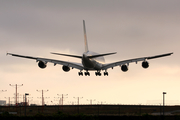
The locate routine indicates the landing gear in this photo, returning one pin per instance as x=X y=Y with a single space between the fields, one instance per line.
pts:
x=98 y=73
x=87 y=73
x=80 y=73
x=105 y=73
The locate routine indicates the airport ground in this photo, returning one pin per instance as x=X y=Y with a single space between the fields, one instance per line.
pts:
x=96 y=111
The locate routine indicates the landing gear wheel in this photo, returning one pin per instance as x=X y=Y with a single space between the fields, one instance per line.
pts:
x=105 y=73
x=98 y=73
x=80 y=73
x=87 y=73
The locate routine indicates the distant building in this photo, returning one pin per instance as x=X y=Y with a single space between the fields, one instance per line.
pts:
x=2 y=102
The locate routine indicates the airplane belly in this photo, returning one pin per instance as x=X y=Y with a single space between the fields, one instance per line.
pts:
x=87 y=63
x=92 y=64
x=98 y=66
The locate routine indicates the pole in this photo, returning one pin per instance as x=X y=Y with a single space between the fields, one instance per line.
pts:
x=163 y=104
x=25 y=104
x=16 y=86
x=16 y=94
x=42 y=97
x=78 y=102
x=9 y=101
x=91 y=100
x=78 y=105
x=163 y=101
x=62 y=99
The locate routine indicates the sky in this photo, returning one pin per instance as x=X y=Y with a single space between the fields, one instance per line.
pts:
x=133 y=28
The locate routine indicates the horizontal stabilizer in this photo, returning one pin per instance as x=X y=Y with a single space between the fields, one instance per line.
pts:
x=75 y=56
x=100 y=55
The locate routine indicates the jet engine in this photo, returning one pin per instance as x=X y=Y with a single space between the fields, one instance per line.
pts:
x=65 y=68
x=145 y=64
x=42 y=64
x=124 y=68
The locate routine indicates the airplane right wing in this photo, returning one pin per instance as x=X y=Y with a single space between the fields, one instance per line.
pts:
x=45 y=60
x=119 y=63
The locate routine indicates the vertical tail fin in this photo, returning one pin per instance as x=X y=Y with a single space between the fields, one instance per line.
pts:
x=85 y=37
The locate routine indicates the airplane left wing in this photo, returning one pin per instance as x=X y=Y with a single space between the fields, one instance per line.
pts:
x=69 y=64
x=119 y=63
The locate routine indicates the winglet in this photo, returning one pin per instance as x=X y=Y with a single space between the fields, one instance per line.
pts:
x=85 y=37
x=7 y=53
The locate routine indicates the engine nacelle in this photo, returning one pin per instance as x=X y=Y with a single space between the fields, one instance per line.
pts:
x=145 y=64
x=42 y=65
x=65 y=68
x=124 y=68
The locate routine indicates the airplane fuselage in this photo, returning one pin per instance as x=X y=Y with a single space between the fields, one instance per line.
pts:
x=92 y=63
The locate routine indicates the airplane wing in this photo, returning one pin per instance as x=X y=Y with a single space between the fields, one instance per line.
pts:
x=69 y=64
x=119 y=63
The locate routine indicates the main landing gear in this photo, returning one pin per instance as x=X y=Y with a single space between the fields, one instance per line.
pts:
x=99 y=74
x=105 y=73
x=85 y=73
x=96 y=73
x=80 y=73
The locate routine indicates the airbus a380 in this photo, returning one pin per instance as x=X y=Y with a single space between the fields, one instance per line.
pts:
x=90 y=61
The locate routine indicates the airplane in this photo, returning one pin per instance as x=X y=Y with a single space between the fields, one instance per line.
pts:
x=91 y=61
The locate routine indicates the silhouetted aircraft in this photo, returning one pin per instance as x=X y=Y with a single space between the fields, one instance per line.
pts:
x=91 y=61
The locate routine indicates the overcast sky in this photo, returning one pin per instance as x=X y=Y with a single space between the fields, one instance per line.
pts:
x=133 y=28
